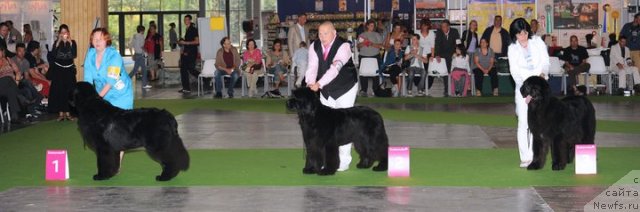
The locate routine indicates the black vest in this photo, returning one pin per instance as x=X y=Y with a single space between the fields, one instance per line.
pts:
x=347 y=75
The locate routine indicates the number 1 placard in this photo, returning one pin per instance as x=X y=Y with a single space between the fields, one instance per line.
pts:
x=57 y=167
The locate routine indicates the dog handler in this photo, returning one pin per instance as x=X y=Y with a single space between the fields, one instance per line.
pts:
x=331 y=71
x=527 y=57
x=103 y=67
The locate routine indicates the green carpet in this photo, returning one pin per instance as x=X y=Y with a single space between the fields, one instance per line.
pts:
x=23 y=151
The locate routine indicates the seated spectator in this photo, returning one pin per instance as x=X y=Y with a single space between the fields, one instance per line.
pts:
x=227 y=63
x=9 y=77
x=416 y=56
x=393 y=66
x=485 y=61
x=460 y=71
x=575 y=57
x=252 y=59
x=300 y=58
x=554 y=49
x=622 y=64
x=29 y=96
x=29 y=42
x=277 y=62
x=38 y=70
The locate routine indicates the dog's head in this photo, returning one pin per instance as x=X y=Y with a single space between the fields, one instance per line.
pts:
x=83 y=92
x=303 y=100
x=534 y=89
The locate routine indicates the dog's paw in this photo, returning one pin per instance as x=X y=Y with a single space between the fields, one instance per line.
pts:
x=380 y=167
x=309 y=170
x=325 y=172
x=163 y=178
x=534 y=166
x=364 y=164
x=98 y=177
x=557 y=167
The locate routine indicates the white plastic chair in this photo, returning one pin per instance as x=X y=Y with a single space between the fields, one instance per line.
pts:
x=170 y=62
x=556 y=70
x=368 y=68
x=597 y=68
x=208 y=71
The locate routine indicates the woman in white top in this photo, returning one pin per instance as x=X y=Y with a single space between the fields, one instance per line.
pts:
x=527 y=57
x=427 y=43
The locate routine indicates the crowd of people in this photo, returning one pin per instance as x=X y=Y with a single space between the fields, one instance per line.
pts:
x=29 y=82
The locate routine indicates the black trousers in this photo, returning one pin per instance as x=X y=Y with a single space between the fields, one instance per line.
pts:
x=187 y=65
x=9 y=93
x=479 y=78
x=364 y=81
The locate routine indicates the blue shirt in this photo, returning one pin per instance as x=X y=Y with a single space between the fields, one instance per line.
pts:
x=111 y=72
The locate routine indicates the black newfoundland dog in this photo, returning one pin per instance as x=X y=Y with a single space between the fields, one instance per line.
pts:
x=324 y=129
x=556 y=124
x=107 y=130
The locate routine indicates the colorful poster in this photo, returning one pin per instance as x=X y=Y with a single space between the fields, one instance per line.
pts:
x=575 y=14
x=431 y=4
x=483 y=11
x=513 y=9
x=342 y=5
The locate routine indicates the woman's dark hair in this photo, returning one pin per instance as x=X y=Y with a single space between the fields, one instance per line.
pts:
x=277 y=41
x=589 y=38
x=425 y=21
x=518 y=26
x=370 y=21
x=223 y=40
x=63 y=26
x=463 y=50
x=250 y=41
x=140 y=29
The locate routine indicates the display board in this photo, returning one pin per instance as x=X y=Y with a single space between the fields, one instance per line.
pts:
x=210 y=35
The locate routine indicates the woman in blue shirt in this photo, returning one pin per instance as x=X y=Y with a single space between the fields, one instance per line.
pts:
x=103 y=67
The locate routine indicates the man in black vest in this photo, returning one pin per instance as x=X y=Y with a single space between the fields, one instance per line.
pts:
x=331 y=71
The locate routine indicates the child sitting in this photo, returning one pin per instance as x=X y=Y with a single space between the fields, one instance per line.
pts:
x=460 y=71
x=300 y=58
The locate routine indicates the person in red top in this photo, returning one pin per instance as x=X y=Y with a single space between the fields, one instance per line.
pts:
x=253 y=60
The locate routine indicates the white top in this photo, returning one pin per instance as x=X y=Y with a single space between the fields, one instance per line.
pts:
x=528 y=62
x=460 y=62
x=137 y=42
x=428 y=42
x=617 y=57
x=414 y=61
x=300 y=57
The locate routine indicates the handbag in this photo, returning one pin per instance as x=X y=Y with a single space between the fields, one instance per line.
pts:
x=437 y=69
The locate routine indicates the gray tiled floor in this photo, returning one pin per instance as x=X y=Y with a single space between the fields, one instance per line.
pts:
x=270 y=199
x=205 y=129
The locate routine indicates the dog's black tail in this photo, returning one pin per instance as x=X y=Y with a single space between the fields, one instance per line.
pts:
x=181 y=154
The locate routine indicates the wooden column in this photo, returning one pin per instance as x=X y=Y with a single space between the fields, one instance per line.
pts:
x=80 y=16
